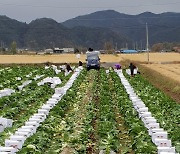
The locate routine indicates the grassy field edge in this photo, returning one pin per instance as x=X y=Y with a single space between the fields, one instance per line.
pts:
x=167 y=85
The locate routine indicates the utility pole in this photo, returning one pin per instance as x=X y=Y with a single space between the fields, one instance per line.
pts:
x=136 y=45
x=141 y=45
x=116 y=46
x=147 y=43
x=126 y=45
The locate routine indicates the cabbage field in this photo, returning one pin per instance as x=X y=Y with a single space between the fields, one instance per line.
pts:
x=47 y=110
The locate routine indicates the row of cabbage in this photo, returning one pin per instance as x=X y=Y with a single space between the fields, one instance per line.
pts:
x=162 y=107
x=85 y=120
x=22 y=104
x=159 y=136
x=17 y=77
x=60 y=130
x=96 y=115
x=35 y=117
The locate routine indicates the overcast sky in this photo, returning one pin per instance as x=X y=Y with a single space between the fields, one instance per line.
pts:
x=61 y=10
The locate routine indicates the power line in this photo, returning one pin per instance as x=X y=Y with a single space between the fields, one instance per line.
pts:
x=86 y=7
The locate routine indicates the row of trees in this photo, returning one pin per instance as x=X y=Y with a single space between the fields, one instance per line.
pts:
x=108 y=48
x=158 y=47
x=12 y=49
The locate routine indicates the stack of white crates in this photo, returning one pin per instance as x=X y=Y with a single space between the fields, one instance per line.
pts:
x=4 y=123
x=6 y=92
x=158 y=135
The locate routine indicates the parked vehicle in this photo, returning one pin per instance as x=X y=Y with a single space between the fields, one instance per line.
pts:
x=93 y=60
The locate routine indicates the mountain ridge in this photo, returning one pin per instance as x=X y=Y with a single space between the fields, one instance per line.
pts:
x=162 y=27
x=92 y=30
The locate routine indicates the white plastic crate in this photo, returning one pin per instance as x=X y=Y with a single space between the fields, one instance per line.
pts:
x=42 y=118
x=1 y=128
x=35 y=124
x=155 y=130
x=46 y=107
x=129 y=72
x=6 y=122
x=9 y=150
x=153 y=125
x=23 y=133
x=166 y=149
x=53 y=100
x=60 y=90
x=30 y=131
x=162 y=142
x=139 y=105
x=15 y=144
x=145 y=114
x=43 y=111
x=40 y=114
x=56 y=97
x=38 y=120
x=142 y=109
x=135 y=97
x=18 y=138
x=149 y=121
x=167 y=153
x=51 y=103
x=160 y=135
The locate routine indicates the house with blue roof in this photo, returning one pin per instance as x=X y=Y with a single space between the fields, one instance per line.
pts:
x=129 y=51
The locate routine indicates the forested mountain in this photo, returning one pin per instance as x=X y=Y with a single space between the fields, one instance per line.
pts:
x=92 y=30
x=47 y=33
x=163 y=27
x=11 y=30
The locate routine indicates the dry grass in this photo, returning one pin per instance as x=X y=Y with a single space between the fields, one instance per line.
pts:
x=171 y=71
x=71 y=58
x=62 y=58
x=153 y=57
x=169 y=84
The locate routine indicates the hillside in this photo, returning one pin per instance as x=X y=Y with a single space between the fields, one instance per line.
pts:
x=11 y=29
x=162 y=27
x=92 y=30
x=47 y=33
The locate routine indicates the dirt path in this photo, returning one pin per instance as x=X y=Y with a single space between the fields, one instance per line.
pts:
x=93 y=148
x=76 y=117
x=125 y=139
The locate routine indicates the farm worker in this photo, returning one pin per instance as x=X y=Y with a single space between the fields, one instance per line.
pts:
x=132 y=67
x=68 y=67
x=80 y=63
x=117 y=66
